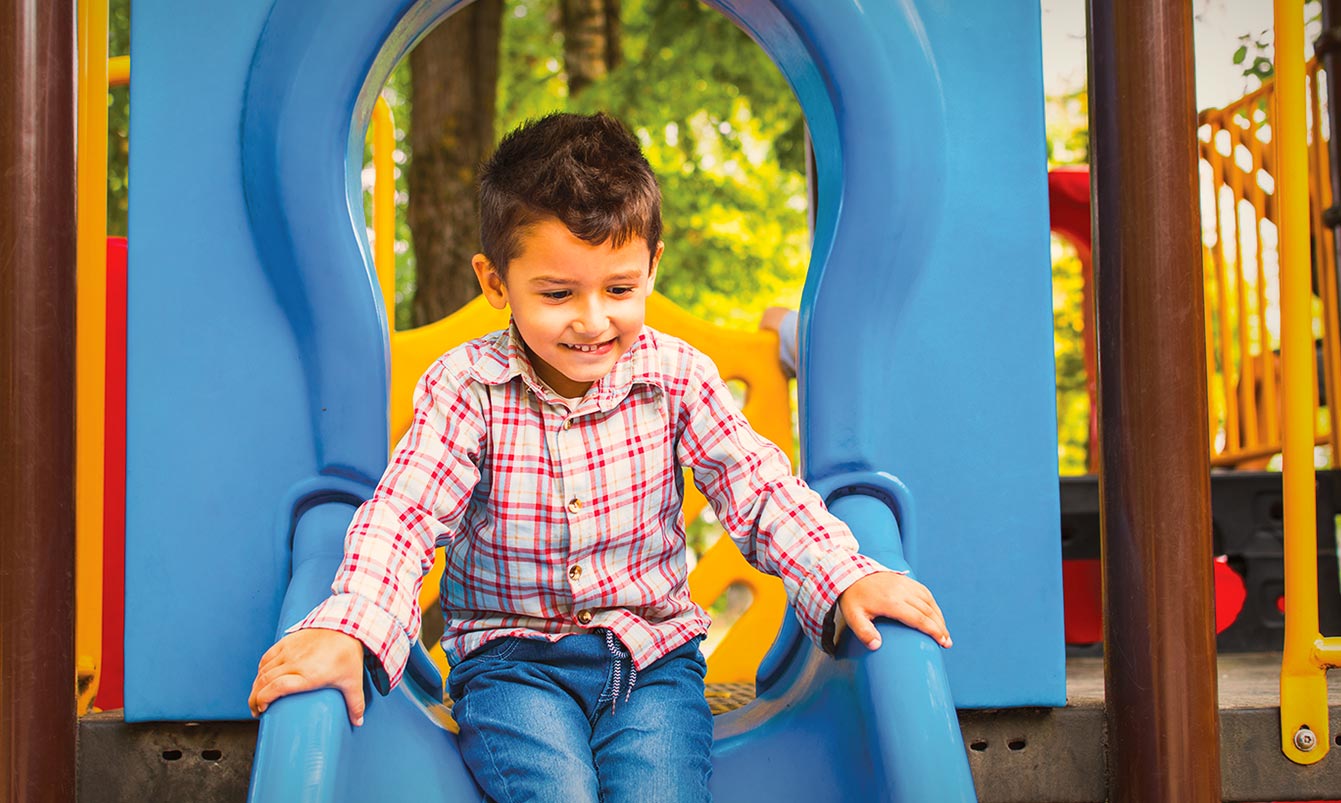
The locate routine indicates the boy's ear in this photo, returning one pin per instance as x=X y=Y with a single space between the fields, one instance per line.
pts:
x=491 y=284
x=652 y=271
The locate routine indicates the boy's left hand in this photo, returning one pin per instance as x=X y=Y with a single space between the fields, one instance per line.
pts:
x=895 y=596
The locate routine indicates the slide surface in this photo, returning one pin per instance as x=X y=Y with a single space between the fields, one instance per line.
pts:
x=859 y=726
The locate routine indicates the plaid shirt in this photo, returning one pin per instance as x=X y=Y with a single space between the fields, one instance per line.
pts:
x=556 y=520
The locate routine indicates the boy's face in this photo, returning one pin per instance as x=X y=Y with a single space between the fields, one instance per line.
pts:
x=579 y=307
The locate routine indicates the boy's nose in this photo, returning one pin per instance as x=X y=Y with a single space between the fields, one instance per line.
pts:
x=591 y=321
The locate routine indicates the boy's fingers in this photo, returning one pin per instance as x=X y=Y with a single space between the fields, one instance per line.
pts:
x=271 y=655
x=313 y=679
x=926 y=618
x=282 y=686
x=864 y=629
x=354 y=702
x=934 y=626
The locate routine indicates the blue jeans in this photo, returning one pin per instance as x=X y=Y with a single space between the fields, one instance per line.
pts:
x=570 y=721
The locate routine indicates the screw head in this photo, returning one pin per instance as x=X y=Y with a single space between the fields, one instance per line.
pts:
x=1305 y=739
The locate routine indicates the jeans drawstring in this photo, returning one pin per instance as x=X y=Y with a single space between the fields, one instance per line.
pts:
x=620 y=655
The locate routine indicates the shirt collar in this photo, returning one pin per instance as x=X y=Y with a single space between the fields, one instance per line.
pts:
x=504 y=358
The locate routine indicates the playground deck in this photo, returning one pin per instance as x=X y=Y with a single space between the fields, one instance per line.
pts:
x=1023 y=755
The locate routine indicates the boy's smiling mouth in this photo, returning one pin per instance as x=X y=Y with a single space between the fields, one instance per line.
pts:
x=590 y=348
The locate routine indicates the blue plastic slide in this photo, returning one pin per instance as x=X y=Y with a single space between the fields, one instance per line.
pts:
x=863 y=726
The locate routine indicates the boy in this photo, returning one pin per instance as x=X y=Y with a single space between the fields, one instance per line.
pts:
x=547 y=459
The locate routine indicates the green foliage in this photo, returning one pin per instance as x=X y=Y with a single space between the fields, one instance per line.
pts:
x=721 y=129
x=1255 y=52
x=531 y=80
x=718 y=123
x=1068 y=143
x=118 y=122
x=1068 y=127
x=1068 y=327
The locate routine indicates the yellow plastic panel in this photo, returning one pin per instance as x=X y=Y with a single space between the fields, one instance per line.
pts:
x=749 y=357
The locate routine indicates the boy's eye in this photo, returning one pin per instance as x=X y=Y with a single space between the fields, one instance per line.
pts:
x=620 y=291
x=557 y=295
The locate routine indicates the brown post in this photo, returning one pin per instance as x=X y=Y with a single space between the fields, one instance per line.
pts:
x=37 y=317
x=1159 y=635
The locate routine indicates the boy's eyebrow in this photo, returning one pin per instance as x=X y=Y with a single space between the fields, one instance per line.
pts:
x=625 y=276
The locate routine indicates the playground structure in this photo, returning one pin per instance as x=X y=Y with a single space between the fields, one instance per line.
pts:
x=161 y=607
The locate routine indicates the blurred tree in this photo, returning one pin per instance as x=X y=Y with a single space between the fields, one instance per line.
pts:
x=591 y=46
x=453 y=91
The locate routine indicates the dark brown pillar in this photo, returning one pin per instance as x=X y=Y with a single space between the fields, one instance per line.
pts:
x=37 y=317
x=1159 y=636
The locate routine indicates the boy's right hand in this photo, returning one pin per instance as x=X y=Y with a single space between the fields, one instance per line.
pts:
x=307 y=660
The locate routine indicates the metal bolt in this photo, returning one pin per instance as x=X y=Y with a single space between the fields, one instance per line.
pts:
x=1305 y=739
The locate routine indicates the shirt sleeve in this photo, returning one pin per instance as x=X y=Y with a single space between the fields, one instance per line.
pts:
x=389 y=546
x=779 y=524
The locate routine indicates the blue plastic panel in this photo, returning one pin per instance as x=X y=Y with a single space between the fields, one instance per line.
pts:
x=257 y=361
x=927 y=331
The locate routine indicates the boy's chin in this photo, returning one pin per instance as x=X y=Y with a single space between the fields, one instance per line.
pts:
x=589 y=372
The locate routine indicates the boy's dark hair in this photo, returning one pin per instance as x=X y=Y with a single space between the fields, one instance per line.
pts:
x=586 y=171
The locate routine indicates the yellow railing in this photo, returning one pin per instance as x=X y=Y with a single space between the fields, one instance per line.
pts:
x=1241 y=219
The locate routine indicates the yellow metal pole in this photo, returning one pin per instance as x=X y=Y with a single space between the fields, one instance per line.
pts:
x=384 y=206
x=90 y=345
x=1303 y=684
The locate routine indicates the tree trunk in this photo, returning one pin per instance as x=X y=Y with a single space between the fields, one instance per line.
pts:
x=591 y=47
x=454 y=80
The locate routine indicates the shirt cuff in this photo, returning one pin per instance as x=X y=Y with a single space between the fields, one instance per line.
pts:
x=835 y=624
x=822 y=587
x=386 y=649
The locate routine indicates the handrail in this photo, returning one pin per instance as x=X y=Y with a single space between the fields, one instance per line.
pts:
x=1241 y=177
x=1305 y=736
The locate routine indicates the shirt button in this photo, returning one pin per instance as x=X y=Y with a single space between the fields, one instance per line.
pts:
x=567 y=424
x=574 y=573
x=584 y=616
x=574 y=505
